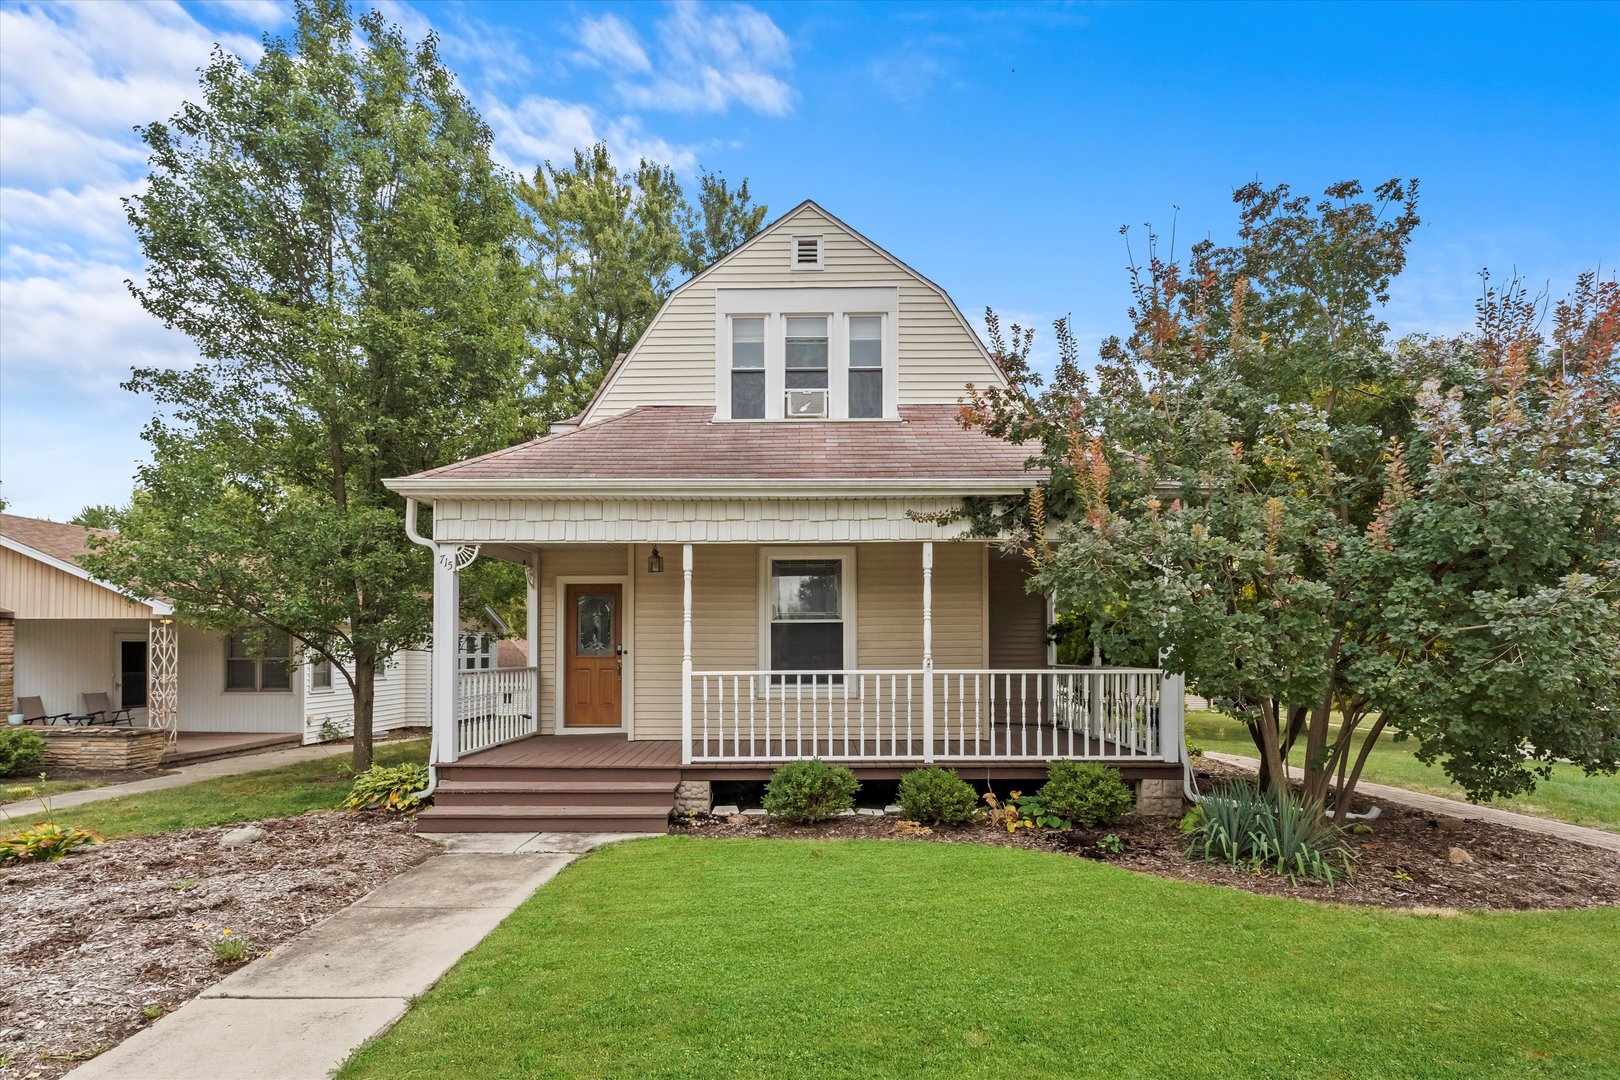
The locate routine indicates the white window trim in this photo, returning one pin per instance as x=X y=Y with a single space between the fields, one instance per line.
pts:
x=821 y=252
x=258 y=686
x=845 y=554
x=486 y=652
x=331 y=683
x=837 y=304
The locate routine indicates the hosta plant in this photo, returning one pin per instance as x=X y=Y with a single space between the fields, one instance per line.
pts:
x=392 y=789
x=44 y=841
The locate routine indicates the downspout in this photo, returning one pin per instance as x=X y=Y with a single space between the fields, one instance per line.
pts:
x=418 y=538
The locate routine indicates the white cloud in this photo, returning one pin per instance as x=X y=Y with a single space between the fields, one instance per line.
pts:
x=540 y=129
x=72 y=219
x=707 y=59
x=611 y=42
x=263 y=14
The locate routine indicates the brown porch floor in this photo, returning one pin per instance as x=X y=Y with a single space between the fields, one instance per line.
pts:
x=616 y=752
x=193 y=746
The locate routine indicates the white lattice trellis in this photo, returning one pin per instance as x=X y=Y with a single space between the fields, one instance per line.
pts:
x=163 y=677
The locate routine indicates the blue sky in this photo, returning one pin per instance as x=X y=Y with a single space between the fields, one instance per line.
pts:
x=997 y=149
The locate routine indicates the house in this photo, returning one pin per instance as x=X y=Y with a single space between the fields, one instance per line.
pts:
x=734 y=559
x=70 y=634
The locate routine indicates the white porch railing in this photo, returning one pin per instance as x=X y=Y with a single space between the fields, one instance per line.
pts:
x=971 y=714
x=493 y=707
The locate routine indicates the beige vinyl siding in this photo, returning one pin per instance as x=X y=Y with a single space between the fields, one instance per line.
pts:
x=674 y=361
x=1017 y=616
x=605 y=561
x=726 y=617
x=35 y=590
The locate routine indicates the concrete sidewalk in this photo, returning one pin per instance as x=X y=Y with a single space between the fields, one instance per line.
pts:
x=299 y=1013
x=185 y=774
x=1438 y=804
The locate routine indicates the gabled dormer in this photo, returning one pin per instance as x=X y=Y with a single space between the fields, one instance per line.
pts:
x=806 y=321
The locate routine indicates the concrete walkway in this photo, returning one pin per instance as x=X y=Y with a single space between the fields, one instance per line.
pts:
x=185 y=774
x=299 y=1013
x=1437 y=804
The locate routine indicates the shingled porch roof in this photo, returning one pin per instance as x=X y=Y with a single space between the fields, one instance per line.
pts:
x=668 y=444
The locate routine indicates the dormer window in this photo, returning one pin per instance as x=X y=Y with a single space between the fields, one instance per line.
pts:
x=748 y=367
x=807 y=353
x=805 y=377
x=805 y=253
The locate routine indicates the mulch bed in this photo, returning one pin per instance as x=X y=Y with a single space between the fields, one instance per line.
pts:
x=1405 y=861
x=103 y=942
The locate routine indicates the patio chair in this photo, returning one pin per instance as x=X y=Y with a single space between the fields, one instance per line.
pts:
x=33 y=709
x=98 y=710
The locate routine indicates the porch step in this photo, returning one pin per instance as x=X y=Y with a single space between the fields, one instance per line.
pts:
x=472 y=772
x=651 y=795
x=521 y=818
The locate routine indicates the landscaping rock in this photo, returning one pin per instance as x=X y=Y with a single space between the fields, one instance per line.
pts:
x=754 y=812
x=893 y=810
x=1449 y=824
x=251 y=834
x=726 y=811
x=869 y=811
x=1458 y=857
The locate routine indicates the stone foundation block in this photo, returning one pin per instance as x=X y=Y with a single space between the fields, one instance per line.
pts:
x=694 y=797
x=1159 y=798
x=108 y=748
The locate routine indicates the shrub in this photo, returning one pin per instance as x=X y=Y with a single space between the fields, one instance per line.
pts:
x=45 y=841
x=809 y=791
x=1247 y=828
x=21 y=750
x=390 y=788
x=1086 y=793
x=937 y=796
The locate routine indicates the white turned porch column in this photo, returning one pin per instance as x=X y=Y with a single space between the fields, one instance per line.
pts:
x=447 y=565
x=531 y=571
x=928 y=650
x=1172 y=717
x=686 y=654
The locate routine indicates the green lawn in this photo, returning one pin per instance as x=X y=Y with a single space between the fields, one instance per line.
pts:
x=687 y=958
x=1569 y=795
x=282 y=792
x=19 y=788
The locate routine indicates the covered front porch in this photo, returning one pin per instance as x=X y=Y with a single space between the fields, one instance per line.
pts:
x=672 y=628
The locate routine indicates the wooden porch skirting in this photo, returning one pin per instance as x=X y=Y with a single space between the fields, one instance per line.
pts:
x=113 y=749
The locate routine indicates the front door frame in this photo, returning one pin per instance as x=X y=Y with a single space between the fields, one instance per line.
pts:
x=627 y=634
x=117 y=695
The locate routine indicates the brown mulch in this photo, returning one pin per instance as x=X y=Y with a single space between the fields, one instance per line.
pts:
x=1404 y=861
x=105 y=941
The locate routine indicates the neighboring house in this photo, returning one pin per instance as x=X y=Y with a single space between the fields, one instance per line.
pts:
x=732 y=563
x=71 y=635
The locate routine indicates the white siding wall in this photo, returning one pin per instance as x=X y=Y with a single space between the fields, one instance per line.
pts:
x=674 y=362
x=60 y=659
x=402 y=691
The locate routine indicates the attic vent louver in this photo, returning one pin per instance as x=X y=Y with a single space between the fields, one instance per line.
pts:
x=806 y=253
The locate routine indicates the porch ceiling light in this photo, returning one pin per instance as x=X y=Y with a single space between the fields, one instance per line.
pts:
x=655 y=562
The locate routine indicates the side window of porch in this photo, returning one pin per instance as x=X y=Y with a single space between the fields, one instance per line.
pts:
x=807 y=616
x=320 y=674
x=258 y=659
x=748 y=368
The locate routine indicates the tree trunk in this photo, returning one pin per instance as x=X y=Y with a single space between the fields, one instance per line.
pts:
x=365 y=697
x=1274 y=776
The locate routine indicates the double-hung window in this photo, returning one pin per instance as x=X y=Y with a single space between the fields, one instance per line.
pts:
x=320 y=674
x=808 y=624
x=748 y=367
x=258 y=659
x=865 y=366
x=477 y=652
x=805 y=377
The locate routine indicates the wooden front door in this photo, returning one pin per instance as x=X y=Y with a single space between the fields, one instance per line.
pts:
x=592 y=657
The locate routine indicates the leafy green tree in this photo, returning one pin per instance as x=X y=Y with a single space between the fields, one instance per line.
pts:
x=328 y=228
x=606 y=248
x=100 y=516
x=1222 y=502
